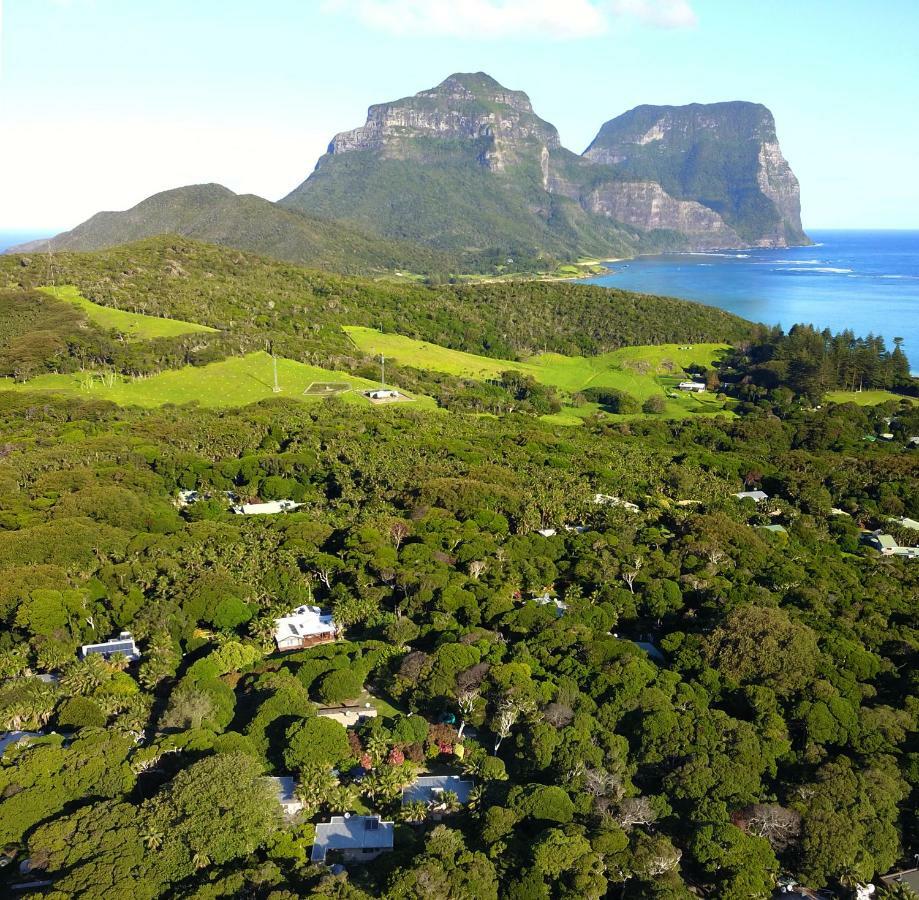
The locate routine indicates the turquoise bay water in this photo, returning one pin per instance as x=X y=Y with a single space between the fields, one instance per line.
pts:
x=867 y=281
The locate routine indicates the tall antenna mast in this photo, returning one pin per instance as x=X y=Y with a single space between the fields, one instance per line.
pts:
x=51 y=266
x=274 y=364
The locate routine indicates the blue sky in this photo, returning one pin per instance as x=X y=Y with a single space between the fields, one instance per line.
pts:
x=103 y=102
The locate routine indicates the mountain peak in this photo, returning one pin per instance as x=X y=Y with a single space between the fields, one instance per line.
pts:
x=470 y=107
x=479 y=86
x=725 y=154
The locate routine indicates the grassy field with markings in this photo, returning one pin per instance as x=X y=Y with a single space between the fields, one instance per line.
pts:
x=236 y=381
x=864 y=398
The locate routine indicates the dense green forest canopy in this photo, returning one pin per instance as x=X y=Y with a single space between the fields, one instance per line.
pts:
x=772 y=728
x=658 y=689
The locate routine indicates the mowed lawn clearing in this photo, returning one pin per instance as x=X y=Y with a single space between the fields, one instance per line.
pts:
x=641 y=371
x=865 y=398
x=134 y=326
x=236 y=381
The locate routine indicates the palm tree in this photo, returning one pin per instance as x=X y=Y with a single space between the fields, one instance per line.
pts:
x=415 y=811
x=898 y=892
x=450 y=801
x=85 y=676
x=476 y=796
x=153 y=840
x=376 y=748
x=201 y=860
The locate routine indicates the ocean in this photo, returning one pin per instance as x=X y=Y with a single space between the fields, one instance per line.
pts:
x=12 y=238
x=867 y=281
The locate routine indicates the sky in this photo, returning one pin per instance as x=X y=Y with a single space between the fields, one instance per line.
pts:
x=104 y=102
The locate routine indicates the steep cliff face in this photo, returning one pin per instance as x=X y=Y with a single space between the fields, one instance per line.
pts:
x=724 y=156
x=467 y=167
x=646 y=205
x=471 y=108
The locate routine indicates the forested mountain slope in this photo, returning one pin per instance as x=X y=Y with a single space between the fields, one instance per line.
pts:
x=257 y=299
x=213 y=213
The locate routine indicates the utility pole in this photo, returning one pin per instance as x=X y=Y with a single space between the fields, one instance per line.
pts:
x=51 y=267
x=382 y=370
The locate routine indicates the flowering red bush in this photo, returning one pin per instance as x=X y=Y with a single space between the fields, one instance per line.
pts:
x=396 y=757
x=442 y=738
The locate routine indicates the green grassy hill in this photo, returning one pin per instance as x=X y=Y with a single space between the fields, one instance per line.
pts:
x=233 y=382
x=640 y=371
x=132 y=326
x=865 y=398
x=125 y=328
x=258 y=300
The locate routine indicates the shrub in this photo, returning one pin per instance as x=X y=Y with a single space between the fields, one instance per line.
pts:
x=317 y=741
x=340 y=685
x=549 y=803
x=80 y=712
x=612 y=400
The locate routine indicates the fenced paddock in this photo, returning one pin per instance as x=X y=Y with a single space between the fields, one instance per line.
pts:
x=326 y=388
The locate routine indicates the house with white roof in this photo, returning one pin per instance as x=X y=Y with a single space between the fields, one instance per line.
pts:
x=123 y=644
x=286 y=789
x=755 y=496
x=905 y=522
x=547 y=600
x=305 y=627
x=265 y=509
x=694 y=386
x=356 y=838
x=609 y=500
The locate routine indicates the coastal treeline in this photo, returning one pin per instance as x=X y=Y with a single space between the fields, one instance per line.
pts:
x=812 y=362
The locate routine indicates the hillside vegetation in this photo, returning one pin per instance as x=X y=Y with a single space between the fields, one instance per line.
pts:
x=711 y=705
x=302 y=310
x=213 y=213
x=637 y=372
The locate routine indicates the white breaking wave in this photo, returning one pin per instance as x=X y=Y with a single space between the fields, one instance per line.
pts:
x=830 y=270
x=797 y=262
